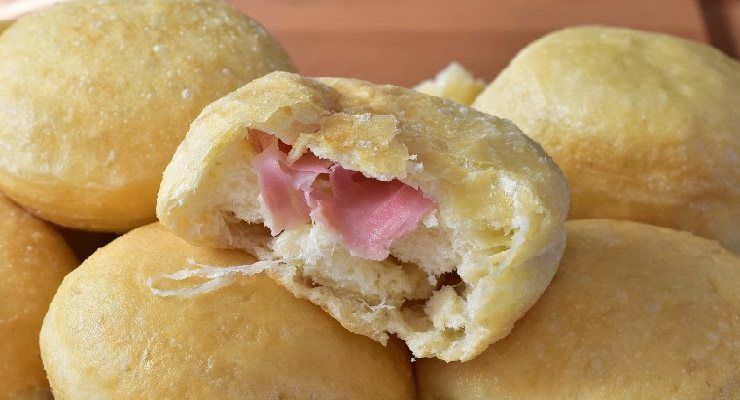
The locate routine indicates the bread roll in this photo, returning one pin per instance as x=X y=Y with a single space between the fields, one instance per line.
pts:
x=453 y=83
x=634 y=312
x=107 y=336
x=644 y=125
x=96 y=95
x=33 y=261
x=421 y=217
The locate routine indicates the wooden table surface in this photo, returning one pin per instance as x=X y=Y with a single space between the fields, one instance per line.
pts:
x=406 y=41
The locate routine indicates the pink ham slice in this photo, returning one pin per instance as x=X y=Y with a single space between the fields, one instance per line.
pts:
x=369 y=214
x=284 y=185
x=366 y=213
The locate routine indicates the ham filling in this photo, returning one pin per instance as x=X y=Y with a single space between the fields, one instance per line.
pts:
x=367 y=214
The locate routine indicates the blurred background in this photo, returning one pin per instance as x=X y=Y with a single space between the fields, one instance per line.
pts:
x=406 y=41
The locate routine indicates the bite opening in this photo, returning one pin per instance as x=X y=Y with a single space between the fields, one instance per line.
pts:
x=299 y=188
x=380 y=243
x=413 y=276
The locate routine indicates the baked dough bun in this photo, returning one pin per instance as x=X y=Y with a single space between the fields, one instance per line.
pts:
x=33 y=261
x=450 y=287
x=634 y=312
x=644 y=125
x=107 y=336
x=96 y=95
x=453 y=83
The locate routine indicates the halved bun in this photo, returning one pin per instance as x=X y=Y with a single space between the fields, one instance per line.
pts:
x=451 y=286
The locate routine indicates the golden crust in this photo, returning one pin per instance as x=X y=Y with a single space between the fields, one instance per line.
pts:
x=33 y=261
x=108 y=337
x=95 y=97
x=634 y=312
x=498 y=192
x=644 y=125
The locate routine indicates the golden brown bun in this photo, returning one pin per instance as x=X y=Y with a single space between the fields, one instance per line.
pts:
x=634 y=312
x=107 y=336
x=33 y=261
x=500 y=217
x=453 y=83
x=644 y=125
x=96 y=95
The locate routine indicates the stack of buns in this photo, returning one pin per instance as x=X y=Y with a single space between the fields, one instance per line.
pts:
x=330 y=238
